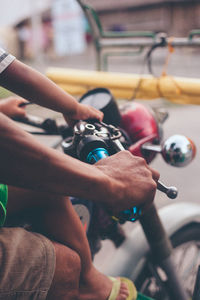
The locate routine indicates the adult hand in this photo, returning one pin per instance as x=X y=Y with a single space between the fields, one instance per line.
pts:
x=11 y=107
x=131 y=182
x=83 y=112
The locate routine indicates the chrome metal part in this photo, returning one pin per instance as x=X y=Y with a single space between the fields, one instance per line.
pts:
x=178 y=151
x=171 y=191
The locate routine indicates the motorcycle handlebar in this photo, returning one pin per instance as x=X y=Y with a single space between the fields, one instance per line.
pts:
x=171 y=191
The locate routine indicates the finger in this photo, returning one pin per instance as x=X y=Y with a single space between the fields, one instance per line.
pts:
x=155 y=173
x=101 y=115
x=97 y=114
x=94 y=113
x=21 y=112
x=22 y=102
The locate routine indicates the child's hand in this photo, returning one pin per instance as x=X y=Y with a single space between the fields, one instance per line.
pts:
x=10 y=107
x=84 y=112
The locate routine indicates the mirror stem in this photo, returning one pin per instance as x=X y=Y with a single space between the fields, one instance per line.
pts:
x=153 y=148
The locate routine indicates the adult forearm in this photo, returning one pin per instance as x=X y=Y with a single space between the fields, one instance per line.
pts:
x=31 y=85
x=27 y=163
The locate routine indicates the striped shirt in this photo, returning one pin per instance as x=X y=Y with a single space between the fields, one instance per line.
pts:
x=5 y=60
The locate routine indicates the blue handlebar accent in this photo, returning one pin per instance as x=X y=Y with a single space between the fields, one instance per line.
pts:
x=97 y=154
x=132 y=214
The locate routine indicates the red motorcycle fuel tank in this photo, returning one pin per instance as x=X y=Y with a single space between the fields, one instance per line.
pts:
x=141 y=126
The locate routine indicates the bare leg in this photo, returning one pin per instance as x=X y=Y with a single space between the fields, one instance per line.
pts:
x=55 y=216
x=65 y=284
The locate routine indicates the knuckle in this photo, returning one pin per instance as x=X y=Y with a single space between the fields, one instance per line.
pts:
x=153 y=186
x=148 y=173
x=157 y=175
x=142 y=161
x=125 y=151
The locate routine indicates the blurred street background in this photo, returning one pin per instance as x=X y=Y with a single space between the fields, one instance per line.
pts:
x=56 y=33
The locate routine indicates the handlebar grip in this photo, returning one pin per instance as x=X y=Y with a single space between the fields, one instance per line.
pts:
x=132 y=214
x=96 y=154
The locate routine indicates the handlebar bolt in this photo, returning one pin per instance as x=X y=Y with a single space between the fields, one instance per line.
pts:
x=172 y=192
x=89 y=129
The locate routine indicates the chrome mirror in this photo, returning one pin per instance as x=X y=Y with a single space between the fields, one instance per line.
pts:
x=178 y=150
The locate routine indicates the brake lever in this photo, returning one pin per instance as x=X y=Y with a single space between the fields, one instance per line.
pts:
x=170 y=191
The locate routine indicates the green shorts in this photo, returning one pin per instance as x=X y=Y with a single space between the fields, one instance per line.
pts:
x=3 y=203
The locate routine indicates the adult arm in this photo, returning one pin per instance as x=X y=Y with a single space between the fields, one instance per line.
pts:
x=118 y=182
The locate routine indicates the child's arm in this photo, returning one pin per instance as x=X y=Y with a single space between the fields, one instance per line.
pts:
x=32 y=85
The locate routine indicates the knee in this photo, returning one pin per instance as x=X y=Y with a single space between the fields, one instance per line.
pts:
x=65 y=283
x=68 y=263
x=72 y=261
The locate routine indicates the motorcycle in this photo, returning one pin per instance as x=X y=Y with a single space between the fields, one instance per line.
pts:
x=160 y=254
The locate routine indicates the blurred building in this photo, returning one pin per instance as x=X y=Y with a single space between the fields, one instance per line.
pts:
x=176 y=17
x=21 y=26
